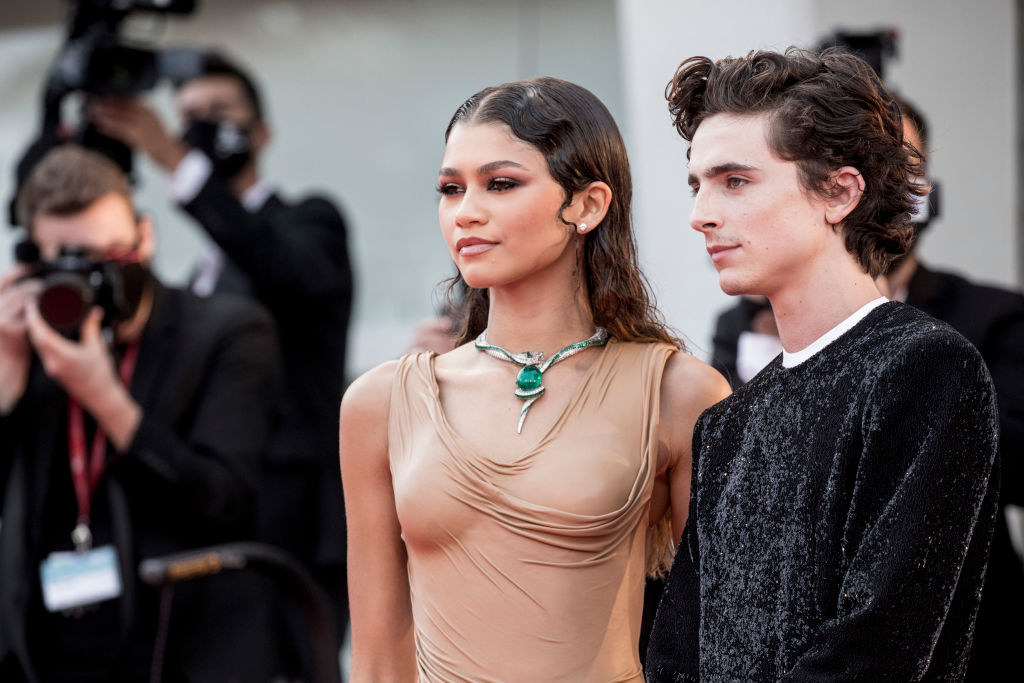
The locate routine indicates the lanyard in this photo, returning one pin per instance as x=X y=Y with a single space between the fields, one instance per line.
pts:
x=86 y=471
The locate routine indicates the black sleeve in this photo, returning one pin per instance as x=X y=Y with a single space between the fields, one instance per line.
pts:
x=725 y=343
x=917 y=534
x=300 y=251
x=205 y=466
x=9 y=425
x=1003 y=350
x=673 y=654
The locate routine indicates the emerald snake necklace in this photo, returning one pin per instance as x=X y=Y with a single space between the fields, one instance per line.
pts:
x=529 y=381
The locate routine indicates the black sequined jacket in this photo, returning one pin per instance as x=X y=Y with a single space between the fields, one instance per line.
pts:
x=840 y=517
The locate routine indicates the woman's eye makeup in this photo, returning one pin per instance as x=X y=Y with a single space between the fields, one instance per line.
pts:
x=502 y=184
x=447 y=188
x=494 y=184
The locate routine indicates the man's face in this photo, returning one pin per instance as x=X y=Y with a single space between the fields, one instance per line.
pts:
x=106 y=228
x=763 y=231
x=215 y=98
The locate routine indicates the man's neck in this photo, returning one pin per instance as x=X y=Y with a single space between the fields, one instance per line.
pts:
x=805 y=312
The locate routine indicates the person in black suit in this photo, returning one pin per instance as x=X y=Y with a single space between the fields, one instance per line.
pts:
x=291 y=257
x=992 y=319
x=161 y=405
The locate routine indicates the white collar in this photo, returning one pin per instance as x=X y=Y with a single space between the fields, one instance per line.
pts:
x=256 y=196
x=790 y=360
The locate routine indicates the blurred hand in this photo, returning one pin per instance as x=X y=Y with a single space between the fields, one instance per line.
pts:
x=435 y=334
x=15 y=351
x=85 y=369
x=138 y=126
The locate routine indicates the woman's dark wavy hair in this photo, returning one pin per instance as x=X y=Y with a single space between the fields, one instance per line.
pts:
x=826 y=110
x=581 y=143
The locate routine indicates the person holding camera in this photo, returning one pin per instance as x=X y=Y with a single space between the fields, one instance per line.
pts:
x=292 y=258
x=133 y=418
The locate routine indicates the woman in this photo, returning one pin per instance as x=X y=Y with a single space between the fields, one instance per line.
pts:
x=500 y=501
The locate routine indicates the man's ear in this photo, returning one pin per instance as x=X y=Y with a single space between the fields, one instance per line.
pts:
x=590 y=205
x=259 y=137
x=846 y=189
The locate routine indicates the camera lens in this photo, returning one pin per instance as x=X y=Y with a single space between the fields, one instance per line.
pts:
x=65 y=301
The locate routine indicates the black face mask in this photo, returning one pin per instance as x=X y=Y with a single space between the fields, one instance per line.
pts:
x=136 y=278
x=227 y=145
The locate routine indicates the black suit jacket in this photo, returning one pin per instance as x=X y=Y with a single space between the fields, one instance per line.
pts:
x=206 y=379
x=293 y=258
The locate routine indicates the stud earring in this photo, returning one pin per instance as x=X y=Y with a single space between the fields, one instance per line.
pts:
x=582 y=228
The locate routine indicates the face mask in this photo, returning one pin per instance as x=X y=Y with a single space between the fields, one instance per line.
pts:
x=224 y=143
x=135 y=280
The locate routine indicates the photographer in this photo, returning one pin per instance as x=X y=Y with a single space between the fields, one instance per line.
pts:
x=291 y=257
x=140 y=437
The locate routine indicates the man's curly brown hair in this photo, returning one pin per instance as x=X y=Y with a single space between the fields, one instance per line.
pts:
x=825 y=110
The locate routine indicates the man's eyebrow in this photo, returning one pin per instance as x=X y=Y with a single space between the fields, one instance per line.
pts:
x=486 y=168
x=715 y=171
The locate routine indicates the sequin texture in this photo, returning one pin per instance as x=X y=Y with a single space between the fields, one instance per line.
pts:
x=841 y=515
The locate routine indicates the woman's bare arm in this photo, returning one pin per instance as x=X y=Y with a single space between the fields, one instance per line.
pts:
x=382 y=627
x=688 y=388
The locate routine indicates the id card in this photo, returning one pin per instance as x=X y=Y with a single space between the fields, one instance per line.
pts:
x=71 y=579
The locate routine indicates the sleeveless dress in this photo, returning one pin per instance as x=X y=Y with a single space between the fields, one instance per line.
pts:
x=530 y=569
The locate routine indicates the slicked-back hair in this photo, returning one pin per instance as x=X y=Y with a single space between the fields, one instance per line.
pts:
x=825 y=110
x=68 y=179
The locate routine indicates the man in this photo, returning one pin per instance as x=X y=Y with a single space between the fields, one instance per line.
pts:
x=139 y=436
x=992 y=319
x=293 y=259
x=843 y=499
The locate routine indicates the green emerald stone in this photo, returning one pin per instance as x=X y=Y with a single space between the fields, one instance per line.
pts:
x=529 y=378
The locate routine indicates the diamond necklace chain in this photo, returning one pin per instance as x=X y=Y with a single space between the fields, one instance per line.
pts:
x=529 y=381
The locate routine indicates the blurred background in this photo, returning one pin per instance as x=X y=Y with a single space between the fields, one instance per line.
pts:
x=359 y=93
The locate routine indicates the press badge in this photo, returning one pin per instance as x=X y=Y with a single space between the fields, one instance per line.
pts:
x=73 y=579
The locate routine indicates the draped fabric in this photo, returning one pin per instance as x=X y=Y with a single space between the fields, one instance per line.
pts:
x=530 y=568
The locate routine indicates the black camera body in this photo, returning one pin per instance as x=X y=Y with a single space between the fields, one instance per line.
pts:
x=96 y=60
x=73 y=283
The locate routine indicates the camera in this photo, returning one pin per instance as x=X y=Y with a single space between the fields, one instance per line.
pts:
x=876 y=47
x=96 y=60
x=73 y=283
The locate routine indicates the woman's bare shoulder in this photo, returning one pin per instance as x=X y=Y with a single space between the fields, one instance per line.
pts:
x=370 y=394
x=689 y=385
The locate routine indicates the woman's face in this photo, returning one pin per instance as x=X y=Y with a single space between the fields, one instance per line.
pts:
x=499 y=208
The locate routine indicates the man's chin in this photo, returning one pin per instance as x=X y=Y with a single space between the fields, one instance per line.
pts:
x=733 y=286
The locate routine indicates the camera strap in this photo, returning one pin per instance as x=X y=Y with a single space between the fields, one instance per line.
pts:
x=86 y=470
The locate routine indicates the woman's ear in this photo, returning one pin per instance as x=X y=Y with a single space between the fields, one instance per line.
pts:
x=847 y=187
x=590 y=205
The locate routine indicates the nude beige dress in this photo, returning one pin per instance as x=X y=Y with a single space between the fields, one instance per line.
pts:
x=530 y=569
